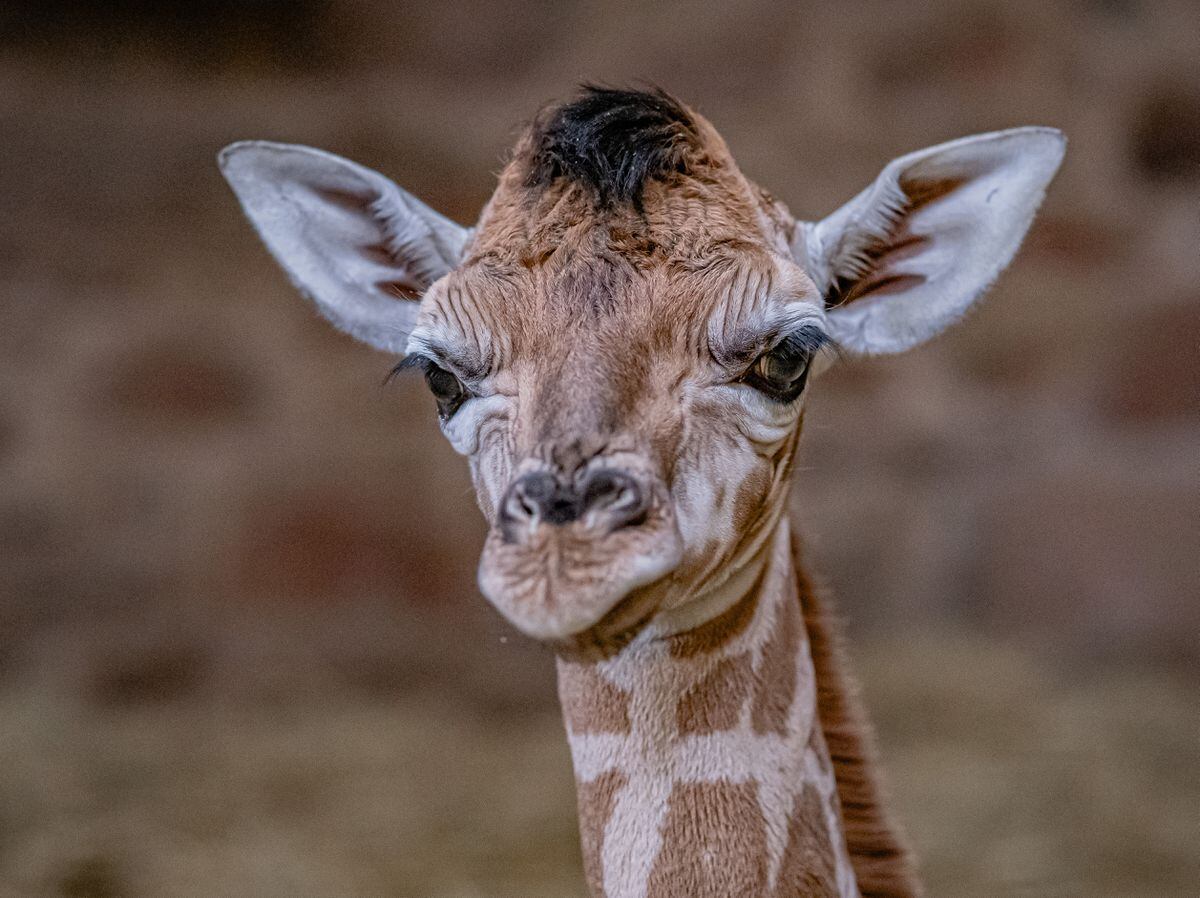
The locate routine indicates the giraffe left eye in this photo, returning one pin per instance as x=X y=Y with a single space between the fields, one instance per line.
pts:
x=782 y=371
x=779 y=376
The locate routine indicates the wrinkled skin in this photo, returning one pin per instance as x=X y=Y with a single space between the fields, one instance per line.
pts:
x=597 y=343
x=614 y=342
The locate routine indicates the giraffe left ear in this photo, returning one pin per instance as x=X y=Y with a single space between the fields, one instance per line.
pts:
x=910 y=254
x=353 y=242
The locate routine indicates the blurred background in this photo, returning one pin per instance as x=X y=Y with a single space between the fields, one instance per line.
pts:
x=241 y=649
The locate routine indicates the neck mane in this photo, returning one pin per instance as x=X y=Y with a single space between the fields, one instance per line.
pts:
x=730 y=759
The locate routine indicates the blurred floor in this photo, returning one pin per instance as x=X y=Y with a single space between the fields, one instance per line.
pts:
x=1011 y=781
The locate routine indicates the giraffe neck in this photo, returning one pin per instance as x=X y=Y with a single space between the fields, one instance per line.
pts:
x=699 y=759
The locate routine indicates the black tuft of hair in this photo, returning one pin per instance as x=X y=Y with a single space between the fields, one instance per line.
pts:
x=612 y=142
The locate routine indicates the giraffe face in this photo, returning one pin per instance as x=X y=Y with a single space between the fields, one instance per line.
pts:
x=629 y=417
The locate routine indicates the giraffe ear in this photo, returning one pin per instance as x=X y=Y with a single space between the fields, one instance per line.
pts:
x=358 y=246
x=910 y=254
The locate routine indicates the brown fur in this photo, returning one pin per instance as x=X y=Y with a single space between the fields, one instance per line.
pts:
x=882 y=863
x=698 y=858
x=596 y=802
x=715 y=703
x=808 y=862
x=590 y=702
x=777 y=686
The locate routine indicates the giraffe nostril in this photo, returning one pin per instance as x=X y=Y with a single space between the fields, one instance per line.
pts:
x=616 y=495
x=526 y=508
x=604 y=498
x=538 y=487
x=538 y=497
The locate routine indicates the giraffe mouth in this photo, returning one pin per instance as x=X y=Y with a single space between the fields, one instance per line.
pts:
x=579 y=589
x=617 y=629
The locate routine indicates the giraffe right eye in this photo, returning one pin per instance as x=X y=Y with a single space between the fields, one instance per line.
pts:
x=447 y=389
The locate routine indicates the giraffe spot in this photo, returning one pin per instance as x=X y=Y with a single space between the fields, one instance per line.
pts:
x=714 y=843
x=597 y=799
x=777 y=672
x=711 y=635
x=715 y=703
x=808 y=867
x=591 y=704
x=750 y=497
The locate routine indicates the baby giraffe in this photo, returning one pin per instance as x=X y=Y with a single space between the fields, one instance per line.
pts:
x=622 y=347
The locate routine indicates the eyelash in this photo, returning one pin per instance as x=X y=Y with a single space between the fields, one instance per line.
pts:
x=448 y=403
x=798 y=348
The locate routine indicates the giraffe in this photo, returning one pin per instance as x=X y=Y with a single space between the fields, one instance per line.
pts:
x=622 y=347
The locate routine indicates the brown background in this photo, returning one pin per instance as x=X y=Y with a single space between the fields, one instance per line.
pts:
x=241 y=652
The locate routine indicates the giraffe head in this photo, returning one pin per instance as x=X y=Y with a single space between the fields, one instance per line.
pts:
x=623 y=344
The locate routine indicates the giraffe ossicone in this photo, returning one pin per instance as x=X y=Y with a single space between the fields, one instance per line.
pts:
x=622 y=347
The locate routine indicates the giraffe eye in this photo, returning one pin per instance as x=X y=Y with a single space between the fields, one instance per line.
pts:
x=779 y=375
x=447 y=389
x=782 y=371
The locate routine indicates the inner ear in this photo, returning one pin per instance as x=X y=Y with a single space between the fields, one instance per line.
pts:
x=362 y=249
x=874 y=265
x=909 y=255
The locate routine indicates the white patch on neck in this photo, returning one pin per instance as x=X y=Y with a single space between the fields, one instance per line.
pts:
x=653 y=757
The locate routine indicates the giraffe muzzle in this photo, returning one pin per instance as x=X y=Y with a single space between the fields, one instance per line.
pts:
x=602 y=500
x=580 y=552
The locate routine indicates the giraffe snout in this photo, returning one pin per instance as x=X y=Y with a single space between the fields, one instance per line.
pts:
x=581 y=546
x=604 y=499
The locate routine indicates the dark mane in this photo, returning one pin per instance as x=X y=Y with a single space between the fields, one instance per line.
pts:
x=612 y=142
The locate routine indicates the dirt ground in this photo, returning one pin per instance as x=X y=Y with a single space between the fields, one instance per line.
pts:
x=241 y=649
x=1010 y=778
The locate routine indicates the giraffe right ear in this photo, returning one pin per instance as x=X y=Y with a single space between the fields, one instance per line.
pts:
x=358 y=246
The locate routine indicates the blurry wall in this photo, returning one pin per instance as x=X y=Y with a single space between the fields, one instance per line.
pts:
x=206 y=495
